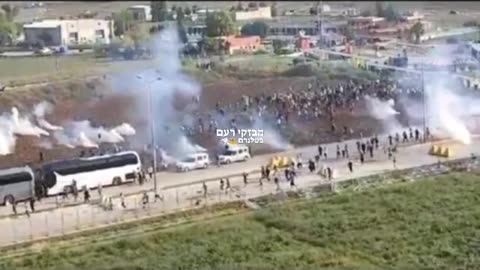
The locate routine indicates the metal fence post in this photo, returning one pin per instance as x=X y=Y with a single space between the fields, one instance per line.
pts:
x=176 y=191
x=77 y=218
x=63 y=222
x=46 y=224
x=31 y=229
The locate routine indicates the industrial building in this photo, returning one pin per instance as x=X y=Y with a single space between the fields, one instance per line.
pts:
x=69 y=32
x=141 y=13
x=254 y=14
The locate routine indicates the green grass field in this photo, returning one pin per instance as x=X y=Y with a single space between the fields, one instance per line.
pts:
x=431 y=224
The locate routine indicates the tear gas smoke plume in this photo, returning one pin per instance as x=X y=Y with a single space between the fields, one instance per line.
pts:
x=40 y=111
x=82 y=133
x=447 y=109
x=163 y=86
x=12 y=124
x=385 y=112
x=270 y=136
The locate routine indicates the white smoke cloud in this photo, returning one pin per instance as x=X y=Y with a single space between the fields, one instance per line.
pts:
x=385 y=112
x=271 y=137
x=40 y=111
x=125 y=130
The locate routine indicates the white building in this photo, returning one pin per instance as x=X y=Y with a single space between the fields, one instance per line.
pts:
x=69 y=32
x=141 y=12
x=255 y=13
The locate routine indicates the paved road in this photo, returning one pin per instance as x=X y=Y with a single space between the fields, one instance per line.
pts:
x=178 y=195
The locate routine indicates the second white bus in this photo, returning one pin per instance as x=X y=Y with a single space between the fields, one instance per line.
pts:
x=57 y=177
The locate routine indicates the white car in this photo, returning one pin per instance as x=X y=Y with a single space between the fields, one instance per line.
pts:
x=234 y=153
x=193 y=162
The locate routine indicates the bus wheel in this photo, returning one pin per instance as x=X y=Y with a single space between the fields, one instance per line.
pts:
x=8 y=199
x=116 y=181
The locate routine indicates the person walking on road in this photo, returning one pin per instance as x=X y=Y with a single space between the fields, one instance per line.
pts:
x=394 y=162
x=145 y=199
x=350 y=166
x=329 y=173
x=14 y=207
x=32 y=204
x=122 y=201
x=228 y=187
x=75 y=190
x=86 y=195
x=277 y=184
x=205 y=189
x=311 y=166
x=245 y=178
x=222 y=184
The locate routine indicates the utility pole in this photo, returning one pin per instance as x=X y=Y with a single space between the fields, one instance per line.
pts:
x=152 y=132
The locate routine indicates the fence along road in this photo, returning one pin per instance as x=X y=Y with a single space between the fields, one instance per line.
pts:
x=186 y=196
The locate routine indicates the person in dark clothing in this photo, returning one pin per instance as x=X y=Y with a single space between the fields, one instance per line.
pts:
x=287 y=174
x=364 y=148
x=317 y=158
x=245 y=178
x=86 y=195
x=350 y=166
x=292 y=181
x=311 y=166
x=410 y=131
x=205 y=189
x=32 y=204
x=14 y=208
x=390 y=140
x=262 y=172
x=227 y=187
x=376 y=142
x=329 y=173
x=338 y=151
x=345 y=147
x=358 y=146
x=370 y=150
x=41 y=156
x=362 y=158
x=405 y=137
x=221 y=184
x=277 y=184
x=417 y=135
x=320 y=150
x=267 y=173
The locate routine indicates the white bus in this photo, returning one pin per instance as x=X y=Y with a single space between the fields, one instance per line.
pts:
x=16 y=184
x=57 y=177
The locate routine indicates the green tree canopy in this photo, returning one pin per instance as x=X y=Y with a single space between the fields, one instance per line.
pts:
x=122 y=22
x=416 y=31
x=219 y=24
x=258 y=28
x=159 y=11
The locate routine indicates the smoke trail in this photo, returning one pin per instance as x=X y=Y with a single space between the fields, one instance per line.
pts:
x=162 y=87
x=125 y=130
x=270 y=136
x=23 y=126
x=42 y=109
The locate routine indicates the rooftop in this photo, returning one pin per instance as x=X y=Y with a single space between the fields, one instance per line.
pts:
x=43 y=24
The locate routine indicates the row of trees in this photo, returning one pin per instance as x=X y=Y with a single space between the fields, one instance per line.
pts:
x=8 y=28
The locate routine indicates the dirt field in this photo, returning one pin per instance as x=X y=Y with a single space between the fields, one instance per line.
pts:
x=92 y=101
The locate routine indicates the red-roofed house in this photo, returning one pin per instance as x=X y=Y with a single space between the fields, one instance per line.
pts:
x=243 y=44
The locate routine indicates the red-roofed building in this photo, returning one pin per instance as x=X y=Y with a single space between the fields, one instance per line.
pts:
x=243 y=44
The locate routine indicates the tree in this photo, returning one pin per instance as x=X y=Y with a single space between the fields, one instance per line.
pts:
x=194 y=9
x=258 y=28
x=219 y=24
x=122 y=22
x=278 y=45
x=349 y=34
x=379 y=9
x=136 y=34
x=274 y=10
x=188 y=11
x=182 y=34
x=390 y=13
x=180 y=14
x=262 y=4
x=239 y=6
x=10 y=11
x=159 y=11
x=416 y=31
x=252 y=5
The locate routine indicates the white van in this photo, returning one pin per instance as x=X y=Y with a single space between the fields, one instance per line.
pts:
x=234 y=153
x=193 y=162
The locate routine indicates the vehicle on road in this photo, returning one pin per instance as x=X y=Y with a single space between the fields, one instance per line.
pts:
x=193 y=162
x=234 y=153
x=57 y=177
x=16 y=184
